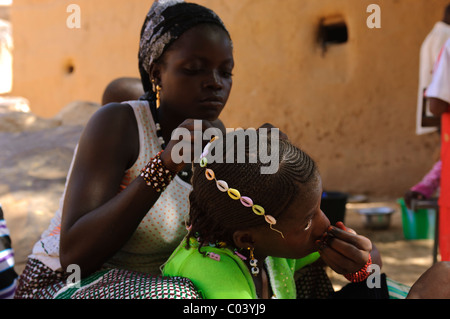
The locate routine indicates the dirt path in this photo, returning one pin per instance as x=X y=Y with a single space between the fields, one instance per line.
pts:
x=403 y=260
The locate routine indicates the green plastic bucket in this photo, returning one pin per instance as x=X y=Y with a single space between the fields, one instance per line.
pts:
x=419 y=224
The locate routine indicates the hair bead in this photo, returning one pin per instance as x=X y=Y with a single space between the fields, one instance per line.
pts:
x=270 y=219
x=246 y=201
x=258 y=210
x=206 y=150
x=222 y=185
x=203 y=162
x=234 y=193
x=209 y=173
x=213 y=256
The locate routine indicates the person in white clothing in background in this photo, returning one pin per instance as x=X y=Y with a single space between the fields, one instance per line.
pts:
x=429 y=53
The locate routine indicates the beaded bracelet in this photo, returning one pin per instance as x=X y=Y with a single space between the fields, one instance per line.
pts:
x=360 y=275
x=155 y=174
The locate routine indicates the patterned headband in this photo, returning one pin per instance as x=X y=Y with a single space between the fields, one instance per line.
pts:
x=166 y=21
x=234 y=193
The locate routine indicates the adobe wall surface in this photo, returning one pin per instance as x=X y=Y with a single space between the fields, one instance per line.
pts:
x=351 y=107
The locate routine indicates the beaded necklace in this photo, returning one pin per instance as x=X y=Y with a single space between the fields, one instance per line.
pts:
x=186 y=173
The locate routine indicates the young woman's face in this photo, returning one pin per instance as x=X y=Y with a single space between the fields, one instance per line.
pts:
x=301 y=224
x=196 y=73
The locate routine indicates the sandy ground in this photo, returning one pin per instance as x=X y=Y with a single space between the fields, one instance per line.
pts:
x=403 y=260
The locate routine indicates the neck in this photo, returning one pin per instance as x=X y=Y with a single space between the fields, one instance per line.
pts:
x=262 y=284
x=168 y=124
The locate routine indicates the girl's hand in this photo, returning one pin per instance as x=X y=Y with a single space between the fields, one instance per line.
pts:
x=410 y=195
x=344 y=250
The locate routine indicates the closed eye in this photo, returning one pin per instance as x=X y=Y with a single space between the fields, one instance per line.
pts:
x=308 y=225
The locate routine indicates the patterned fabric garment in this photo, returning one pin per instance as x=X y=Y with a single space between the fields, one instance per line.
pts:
x=40 y=282
x=8 y=276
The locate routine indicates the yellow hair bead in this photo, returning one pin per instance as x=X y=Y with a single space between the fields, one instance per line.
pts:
x=234 y=193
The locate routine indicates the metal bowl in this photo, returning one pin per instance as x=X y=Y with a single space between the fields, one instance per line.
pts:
x=376 y=217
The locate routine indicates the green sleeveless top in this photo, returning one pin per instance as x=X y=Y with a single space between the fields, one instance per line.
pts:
x=229 y=277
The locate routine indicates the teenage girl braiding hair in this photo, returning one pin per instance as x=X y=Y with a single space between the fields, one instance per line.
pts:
x=247 y=229
x=115 y=222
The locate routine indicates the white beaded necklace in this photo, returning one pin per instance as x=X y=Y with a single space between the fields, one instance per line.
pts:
x=183 y=173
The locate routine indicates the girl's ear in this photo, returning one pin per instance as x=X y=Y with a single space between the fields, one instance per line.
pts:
x=243 y=239
x=155 y=73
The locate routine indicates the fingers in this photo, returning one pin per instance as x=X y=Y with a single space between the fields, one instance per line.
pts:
x=338 y=262
x=343 y=250
x=350 y=237
x=187 y=142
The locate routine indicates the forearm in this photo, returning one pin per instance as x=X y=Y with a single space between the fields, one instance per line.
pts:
x=438 y=106
x=431 y=181
x=97 y=235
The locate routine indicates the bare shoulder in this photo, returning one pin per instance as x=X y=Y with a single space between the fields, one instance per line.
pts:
x=111 y=115
x=113 y=131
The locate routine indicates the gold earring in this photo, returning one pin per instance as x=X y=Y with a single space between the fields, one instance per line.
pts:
x=158 y=97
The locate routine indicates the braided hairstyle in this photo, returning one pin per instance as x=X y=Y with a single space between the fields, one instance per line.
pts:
x=214 y=216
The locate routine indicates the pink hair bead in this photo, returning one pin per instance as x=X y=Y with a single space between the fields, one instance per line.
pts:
x=214 y=256
x=246 y=201
x=240 y=255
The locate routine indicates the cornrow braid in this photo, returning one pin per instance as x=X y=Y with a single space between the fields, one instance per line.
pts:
x=214 y=216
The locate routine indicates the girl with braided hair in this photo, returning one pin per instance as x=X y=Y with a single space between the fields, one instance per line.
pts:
x=250 y=233
x=121 y=214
